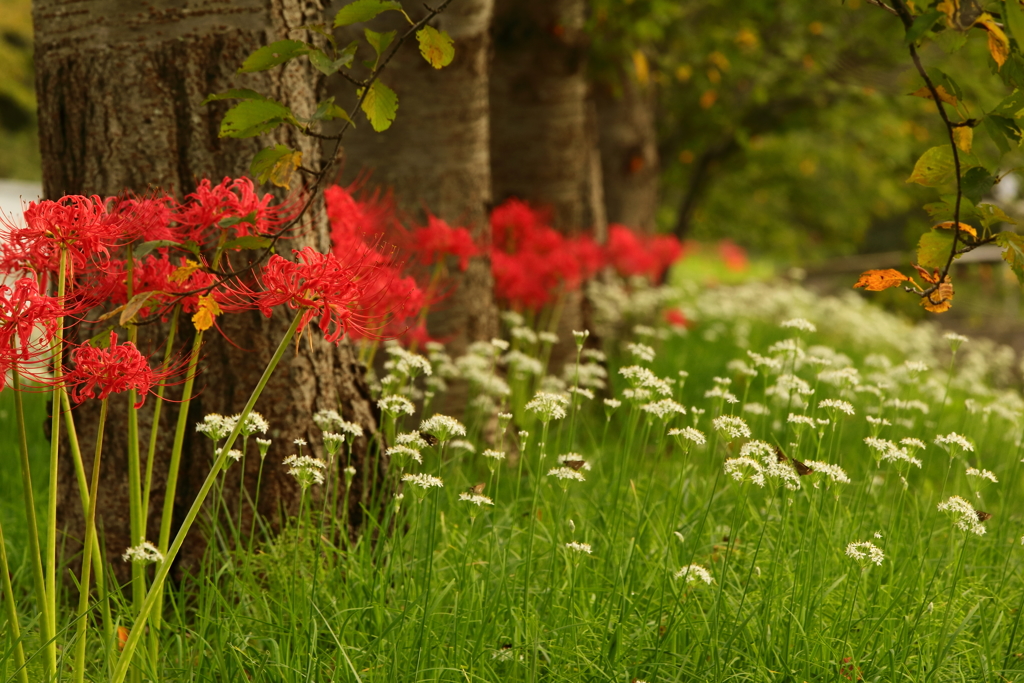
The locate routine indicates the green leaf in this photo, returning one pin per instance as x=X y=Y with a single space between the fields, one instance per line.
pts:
x=991 y=214
x=235 y=220
x=362 y=10
x=1013 y=252
x=940 y=77
x=933 y=248
x=934 y=168
x=1013 y=19
x=146 y=247
x=328 y=111
x=193 y=248
x=976 y=183
x=380 y=106
x=248 y=242
x=253 y=117
x=234 y=94
x=101 y=340
x=1011 y=106
x=951 y=41
x=436 y=46
x=275 y=54
x=922 y=25
x=276 y=164
x=379 y=41
x=1001 y=128
x=328 y=66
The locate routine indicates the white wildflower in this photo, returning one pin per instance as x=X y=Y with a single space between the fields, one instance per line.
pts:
x=965 y=517
x=731 y=426
x=982 y=474
x=579 y=547
x=832 y=405
x=476 y=499
x=548 y=406
x=694 y=572
x=144 y=553
x=443 y=427
x=307 y=470
x=833 y=473
x=566 y=474
x=394 y=405
x=865 y=552
x=690 y=434
x=800 y=324
x=954 y=439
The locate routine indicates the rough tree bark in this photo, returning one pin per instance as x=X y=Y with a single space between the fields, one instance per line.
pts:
x=629 y=151
x=120 y=87
x=435 y=157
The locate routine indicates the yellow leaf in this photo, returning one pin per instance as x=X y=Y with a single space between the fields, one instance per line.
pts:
x=941 y=300
x=964 y=137
x=941 y=90
x=436 y=46
x=207 y=311
x=998 y=43
x=281 y=173
x=642 y=67
x=948 y=225
x=878 y=280
x=184 y=271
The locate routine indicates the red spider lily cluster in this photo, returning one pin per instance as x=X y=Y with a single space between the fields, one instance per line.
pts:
x=532 y=263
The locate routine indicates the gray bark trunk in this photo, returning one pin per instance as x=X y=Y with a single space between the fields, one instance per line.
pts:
x=435 y=156
x=629 y=153
x=119 y=89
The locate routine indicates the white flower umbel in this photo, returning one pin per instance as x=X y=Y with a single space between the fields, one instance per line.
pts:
x=901 y=458
x=263 y=445
x=834 y=406
x=144 y=553
x=965 y=517
x=642 y=352
x=462 y=445
x=579 y=547
x=548 y=406
x=254 y=424
x=404 y=455
x=395 y=405
x=422 y=483
x=476 y=499
x=580 y=337
x=412 y=440
x=215 y=426
x=564 y=475
x=833 y=474
x=731 y=426
x=913 y=444
x=664 y=409
x=327 y=420
x=694 y=572
x=306 y=470
x=981 y=474
x=800 y=420
x=952 y=441
x=745 y=469
x=865 y=553
x=406 y=363
x=800 y=324
x=235 y=454
x=333 y=443
x=443 y=427
x=955 y=340
x=689 y=434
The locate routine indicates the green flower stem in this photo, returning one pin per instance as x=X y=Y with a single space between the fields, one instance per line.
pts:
x=12 y=612
x=154 y=432
x=164 y=567
x=90 y=536
x=35 y=558
x=172 y=469
x=57 y=349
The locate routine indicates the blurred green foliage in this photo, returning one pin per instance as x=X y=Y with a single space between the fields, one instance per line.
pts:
x=788 y=122
x=19 y=138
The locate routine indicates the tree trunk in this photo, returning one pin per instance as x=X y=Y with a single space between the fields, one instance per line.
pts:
x=629 y=152
x=119 y=89
x=543 y=130
x=435 y=156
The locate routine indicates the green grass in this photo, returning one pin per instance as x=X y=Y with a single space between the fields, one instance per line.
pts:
x=439 y=589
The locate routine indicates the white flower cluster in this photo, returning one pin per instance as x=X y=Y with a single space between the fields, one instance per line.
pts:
x=982 y=474
x=306 y=469
x=476 y=499
x=579 y=547
x=144 y=553
x=641 y=351
x=642 y=378
x=834 y=474
x=406 y=363
x=694 y=572
x=954 y=439
x=403 y=453
x=664 y=408
x=865 y=552
x=566 y=474
x=443 y=427
x=330 y=421
x=801 y=324
x=965 y=517
x=833 y=404
x=423 y=481
x=732 y=426
x=690 y=434
x=548 y=406
x=395 y=405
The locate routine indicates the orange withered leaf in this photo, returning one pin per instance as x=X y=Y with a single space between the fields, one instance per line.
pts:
x=877 y=280
x=941 y=300
x=940 y=89
x=948 y=225
x=930 y=278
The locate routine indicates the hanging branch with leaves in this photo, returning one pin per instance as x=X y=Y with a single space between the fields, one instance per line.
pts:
x=963 y=222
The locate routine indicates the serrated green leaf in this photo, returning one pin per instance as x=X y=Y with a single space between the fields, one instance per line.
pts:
x=234 y=94
x=933 y=248
x=436 y=46
x=976 y=183
x=1011 y=105
x=380 y=106
x=1013 y=252
x=276 y=164
x=922 y=25
x=934 y=168
x=379 y=41
x=248 y=242
x=328 y=66
x=328 y=111
x=253 y=117
x=275 y=54
x=990 y=215
x=146 y=247
x=362 y=10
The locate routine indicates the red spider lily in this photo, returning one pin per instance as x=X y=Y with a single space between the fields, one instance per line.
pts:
x=83 y=226
x=633 y=254
x=438 y=239
x=146 y=218
x=735 y=256
x=167 y=278
x=98 y=373
x=200 y=215
x=319 y=285
x=357 y=220
x=28 y=321
x=676 y=318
